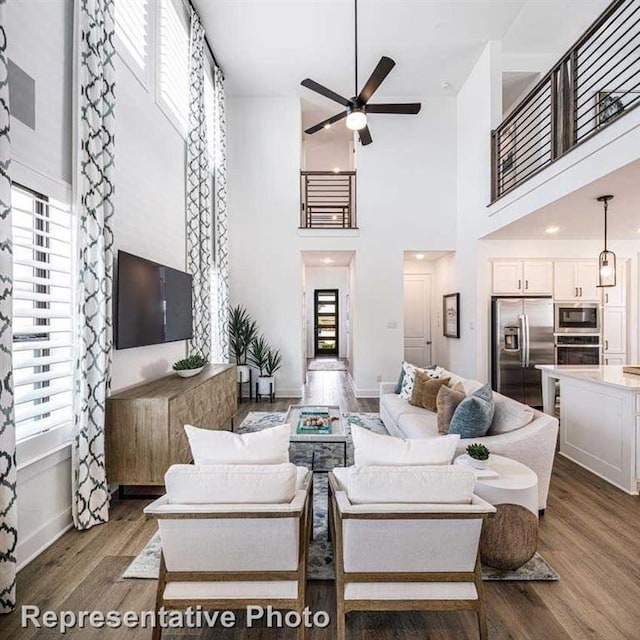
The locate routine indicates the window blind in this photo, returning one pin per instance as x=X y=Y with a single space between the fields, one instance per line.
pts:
x=42 y=312
x=131 y=27
x=174 y=63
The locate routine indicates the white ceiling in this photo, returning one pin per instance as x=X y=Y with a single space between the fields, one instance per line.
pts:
x=428 y=256
x=321 y=258
x=579 y=215
x=266 y=47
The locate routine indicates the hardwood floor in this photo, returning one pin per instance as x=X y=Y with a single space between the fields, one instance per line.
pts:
x=590 y=535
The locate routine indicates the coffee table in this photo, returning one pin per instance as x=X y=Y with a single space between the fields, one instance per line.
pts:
x=338 y=433
x=510 y=538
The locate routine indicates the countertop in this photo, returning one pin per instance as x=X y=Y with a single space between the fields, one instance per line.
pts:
x=611 y=374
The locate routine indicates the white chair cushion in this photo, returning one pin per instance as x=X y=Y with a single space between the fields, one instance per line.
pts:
x=269 y=446
x=508 y=415
x=375 y=449
x=231 y=484
x=410 y=485
x=419 y=425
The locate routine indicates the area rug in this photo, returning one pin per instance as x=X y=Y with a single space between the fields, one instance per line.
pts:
x=322 y=364
x=320 y=561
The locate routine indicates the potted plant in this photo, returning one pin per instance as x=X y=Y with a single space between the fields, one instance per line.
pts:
x=478 y=455
x=191 y=366
x=258 y=351
x=242 y=331
x=272 y=364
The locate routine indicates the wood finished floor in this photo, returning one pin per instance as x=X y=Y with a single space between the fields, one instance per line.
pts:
x=590 y=535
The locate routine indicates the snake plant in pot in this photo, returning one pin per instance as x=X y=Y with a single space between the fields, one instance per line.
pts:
x=268 y=361
x=243 y=329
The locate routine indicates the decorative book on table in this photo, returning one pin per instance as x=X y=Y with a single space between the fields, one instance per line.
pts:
x=314 y=421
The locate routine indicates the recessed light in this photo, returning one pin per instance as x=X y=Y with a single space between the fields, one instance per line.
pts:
x=419 y=256
x=336 y=170
x=327 y=126
x=327 y=260
x=445 y=85
x=552 y=230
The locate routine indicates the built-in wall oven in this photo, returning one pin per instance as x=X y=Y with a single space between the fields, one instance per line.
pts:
x=578 y=349
x=577 y=317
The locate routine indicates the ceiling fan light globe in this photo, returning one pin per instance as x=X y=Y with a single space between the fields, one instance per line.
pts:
x=356 y=120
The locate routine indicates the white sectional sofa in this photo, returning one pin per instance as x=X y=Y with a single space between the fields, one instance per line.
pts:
x=533 y=444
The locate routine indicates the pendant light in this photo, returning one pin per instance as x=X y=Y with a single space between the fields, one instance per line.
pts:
x=606 y=259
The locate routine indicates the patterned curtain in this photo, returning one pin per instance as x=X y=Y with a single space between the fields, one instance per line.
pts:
x=8 y=510
x=94 y=202
x=198 y=196
x=221 y=228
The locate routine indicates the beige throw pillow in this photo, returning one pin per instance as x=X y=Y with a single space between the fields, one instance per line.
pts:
x=425 y=390
x=446 y=403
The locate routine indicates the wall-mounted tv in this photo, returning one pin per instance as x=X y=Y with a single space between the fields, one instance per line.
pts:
x=153 y=303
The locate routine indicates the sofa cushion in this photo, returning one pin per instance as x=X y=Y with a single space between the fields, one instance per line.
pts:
x=375 y=449
x=472 y=417
x=409 y=485
x=396 y=406
x=398 y=387
x=509 y=415
x=446 y=404
x=425 y=390
x=269 y=446
x=419 y=425
x=231 y=484
x=407 y=377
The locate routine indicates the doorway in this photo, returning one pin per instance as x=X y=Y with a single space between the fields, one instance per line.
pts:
x=326 y=323
x=417 y=319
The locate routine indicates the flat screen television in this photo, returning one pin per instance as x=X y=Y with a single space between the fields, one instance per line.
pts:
x=153 y=303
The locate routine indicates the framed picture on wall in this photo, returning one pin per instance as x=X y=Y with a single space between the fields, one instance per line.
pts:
x=611 y=104
x=451 y=315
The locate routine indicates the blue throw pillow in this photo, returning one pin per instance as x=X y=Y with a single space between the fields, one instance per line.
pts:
x=474 y=415
x=398 y=388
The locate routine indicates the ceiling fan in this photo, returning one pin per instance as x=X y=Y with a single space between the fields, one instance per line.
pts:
x=357 y=108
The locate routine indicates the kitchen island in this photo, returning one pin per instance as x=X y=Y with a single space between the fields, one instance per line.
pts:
x=599 y=419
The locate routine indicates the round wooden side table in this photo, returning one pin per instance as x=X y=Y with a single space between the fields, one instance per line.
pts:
x=510 y=538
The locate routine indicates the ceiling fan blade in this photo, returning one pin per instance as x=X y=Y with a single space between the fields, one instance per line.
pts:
x=365 y=136
x=375 y=80
x=323 y=91
x=410 y=108
x=326 y=123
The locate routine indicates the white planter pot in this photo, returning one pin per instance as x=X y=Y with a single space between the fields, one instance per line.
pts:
x=264 y=385
x=189 y=373
x=242 y=373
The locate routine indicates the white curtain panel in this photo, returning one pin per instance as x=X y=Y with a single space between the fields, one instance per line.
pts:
x=8 y=509
x=199 y=212
x=94 y=195
x=221 y=236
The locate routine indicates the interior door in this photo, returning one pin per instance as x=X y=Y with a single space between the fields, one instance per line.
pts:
x=326 y=323
x=417 y=319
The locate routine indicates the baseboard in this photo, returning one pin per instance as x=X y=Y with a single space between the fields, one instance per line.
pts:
x=363 y=393
x=44 y=537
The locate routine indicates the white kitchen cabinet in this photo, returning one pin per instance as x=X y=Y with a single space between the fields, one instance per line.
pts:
x=617 y=296
x=538 y=278
x=576 y=281
x=507 y=278
x=614 y=330
x=615 y=358
x=522 y=278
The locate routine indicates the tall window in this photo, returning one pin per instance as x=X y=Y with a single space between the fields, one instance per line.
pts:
x=132 y=34
x=173 y=89
x=42 y=312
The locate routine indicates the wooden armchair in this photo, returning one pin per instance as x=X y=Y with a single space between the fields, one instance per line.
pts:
x=426 y=554
x=225 y=546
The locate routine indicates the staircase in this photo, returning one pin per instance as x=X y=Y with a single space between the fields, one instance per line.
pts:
x=327 y=200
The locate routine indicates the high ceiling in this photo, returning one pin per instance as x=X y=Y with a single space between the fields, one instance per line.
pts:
x=266 y=47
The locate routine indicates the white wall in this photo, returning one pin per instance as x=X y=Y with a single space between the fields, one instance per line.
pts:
x=327 y=153
x=327 y=278
x=149 y=221
x=406 y=201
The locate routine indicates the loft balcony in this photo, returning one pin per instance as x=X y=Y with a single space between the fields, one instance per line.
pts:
x=327 y=200
x=593 y=85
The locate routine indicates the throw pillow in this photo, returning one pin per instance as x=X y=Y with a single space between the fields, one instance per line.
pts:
x=375 y=449
x=408 y=378
x=425 y=390
x=269 y=446
x=472 y=417
x=509 y=415
x=398 y=388
x=446 y=404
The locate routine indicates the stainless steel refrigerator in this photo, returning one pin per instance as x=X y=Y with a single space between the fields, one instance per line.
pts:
x=522 y=337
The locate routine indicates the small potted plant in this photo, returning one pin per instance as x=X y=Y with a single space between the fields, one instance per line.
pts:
x=267 y=382
x=243 y=329
x=478 y=455
x=191 y=366
x=258 y=354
